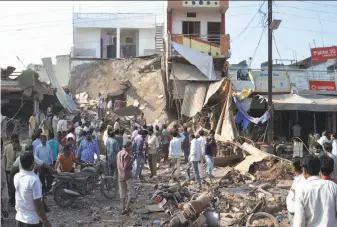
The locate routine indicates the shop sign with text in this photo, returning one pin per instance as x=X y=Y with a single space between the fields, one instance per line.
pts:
x=281 y=83
x=320 y=85
x=323 y=53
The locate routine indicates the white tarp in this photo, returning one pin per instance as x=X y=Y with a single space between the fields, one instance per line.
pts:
x=194 y=97
x=60 y=94
x=314 y=103
x=202 y=61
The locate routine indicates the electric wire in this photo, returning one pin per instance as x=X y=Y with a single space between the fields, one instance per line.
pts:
x=311 y=10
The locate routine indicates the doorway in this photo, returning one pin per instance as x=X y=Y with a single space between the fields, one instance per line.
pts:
x=213 y=32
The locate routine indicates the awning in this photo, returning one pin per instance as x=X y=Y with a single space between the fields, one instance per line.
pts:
x=314 y=103
x=212 y=89
x=194 y=97
x=189 y=72
x=202 y=61
x=128 y=111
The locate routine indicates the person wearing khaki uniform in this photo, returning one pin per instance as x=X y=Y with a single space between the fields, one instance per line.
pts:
x=153 y=143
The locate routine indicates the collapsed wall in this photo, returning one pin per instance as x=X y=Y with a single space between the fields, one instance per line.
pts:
x=139 y=78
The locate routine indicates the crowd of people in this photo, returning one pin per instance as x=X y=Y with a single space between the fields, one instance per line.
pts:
x=60 y=144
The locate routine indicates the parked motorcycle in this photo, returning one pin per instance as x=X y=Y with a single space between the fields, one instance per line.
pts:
x=69 y=186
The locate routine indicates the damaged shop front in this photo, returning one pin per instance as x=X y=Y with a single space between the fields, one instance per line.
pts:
x=22 y=94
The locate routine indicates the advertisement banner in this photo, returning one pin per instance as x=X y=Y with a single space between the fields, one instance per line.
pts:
x=281 y=83
x=323 y=53
x=320 y=85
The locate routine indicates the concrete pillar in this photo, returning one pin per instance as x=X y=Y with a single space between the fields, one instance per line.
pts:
x=118 y=41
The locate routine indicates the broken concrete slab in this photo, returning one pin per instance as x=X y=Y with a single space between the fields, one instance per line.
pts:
x=284 y=184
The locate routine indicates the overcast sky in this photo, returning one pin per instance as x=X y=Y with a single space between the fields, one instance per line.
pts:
x=33 y=30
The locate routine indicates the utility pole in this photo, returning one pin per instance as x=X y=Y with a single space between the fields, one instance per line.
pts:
x=270 y=131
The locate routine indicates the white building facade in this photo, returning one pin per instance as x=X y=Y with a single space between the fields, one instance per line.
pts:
x=114 y=35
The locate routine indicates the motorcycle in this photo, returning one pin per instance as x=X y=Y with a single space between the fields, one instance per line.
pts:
x=169 y=198
x=69 y=186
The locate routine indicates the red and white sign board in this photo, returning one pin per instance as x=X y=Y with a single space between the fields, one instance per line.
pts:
x=323 y=53
x=320 y=85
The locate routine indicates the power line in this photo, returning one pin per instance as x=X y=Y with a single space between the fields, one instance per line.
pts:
x=315 y=3
x=83 y=22
x=294 y=15
x=70 y=19
x=308 y=30
x=311 y=10
x=254 y=16
x=258 y=44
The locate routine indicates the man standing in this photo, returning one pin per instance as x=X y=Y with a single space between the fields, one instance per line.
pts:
x=134 y=133
x=32 y=125
x=99 y=105
x=175 y=152
x=125 y=181
x=186 y=144
x=316 y=201
x=324 y=139
x=210 y=153
x=334 y=143
x=64 y=126
x=166 y=142
x=327 y=166
x=87 y=149
x=54 y=145
x=153 y=145
x=54 y=125
x=29 y=206
x=116 y=125
x=297 y=130
x=37 y=141
x=112 y=149
x=138 y=148
x=297 y=184
x=203 y=142
x=109 y=105
x=194 y=159
x=328 y=152
x=44 y=153
x=4 y=187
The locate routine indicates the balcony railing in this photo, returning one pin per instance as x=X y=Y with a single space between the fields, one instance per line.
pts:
x=212 y=44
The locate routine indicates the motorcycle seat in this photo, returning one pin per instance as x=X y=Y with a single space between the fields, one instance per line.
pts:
x=66 y=175
x=81 y=179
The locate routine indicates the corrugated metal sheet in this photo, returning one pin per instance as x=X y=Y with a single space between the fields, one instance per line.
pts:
x=189 y=72
x=212 y=89
x=194 y=97
x=61 y=95
x=178 y=89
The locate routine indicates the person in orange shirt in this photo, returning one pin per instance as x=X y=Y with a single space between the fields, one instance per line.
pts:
x=66 y=160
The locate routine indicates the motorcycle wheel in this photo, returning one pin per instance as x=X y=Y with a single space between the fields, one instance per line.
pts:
x=108 y=188
x=61 y=198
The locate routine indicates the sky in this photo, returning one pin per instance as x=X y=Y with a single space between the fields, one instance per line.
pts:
x=33 y=30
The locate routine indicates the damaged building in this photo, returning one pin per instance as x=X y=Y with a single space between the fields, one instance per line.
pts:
x=22 y=94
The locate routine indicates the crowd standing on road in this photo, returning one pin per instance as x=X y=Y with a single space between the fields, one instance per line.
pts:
x=311 y=201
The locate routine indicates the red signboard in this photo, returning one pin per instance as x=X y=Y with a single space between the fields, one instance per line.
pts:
x=324 y=53
x=319 y=85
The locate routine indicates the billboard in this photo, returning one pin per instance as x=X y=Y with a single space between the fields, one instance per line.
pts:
x=281 y=83
x=321 y=85
x=323 y=53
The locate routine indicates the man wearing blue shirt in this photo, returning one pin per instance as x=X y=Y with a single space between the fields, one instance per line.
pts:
x=54 y=145
x=45 y=154
x=138 y=149
x=112 y=148
x=87 y=149
x=37 y=141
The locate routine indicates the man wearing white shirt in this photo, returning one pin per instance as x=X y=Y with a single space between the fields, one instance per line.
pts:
x=28 y=195
x=203 y=142
x=54 y=124
x=297 y=183
x=176 y=151
x=134 y=133
x=194 y=159
x=109 y=105
x=324 y=139
x=116 y=125
x=316 y=199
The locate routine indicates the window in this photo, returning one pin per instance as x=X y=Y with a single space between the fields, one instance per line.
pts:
x=129 y=39
x=191 y=28
x=191 y=15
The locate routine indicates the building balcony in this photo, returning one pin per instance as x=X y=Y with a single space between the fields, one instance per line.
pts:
x=216 y=5
x=218 y=46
